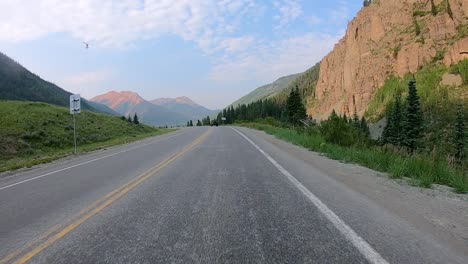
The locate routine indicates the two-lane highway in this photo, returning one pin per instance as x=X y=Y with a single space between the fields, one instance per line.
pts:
x=200 y=195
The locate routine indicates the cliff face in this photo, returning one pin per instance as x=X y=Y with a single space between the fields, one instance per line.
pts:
x=383 y=40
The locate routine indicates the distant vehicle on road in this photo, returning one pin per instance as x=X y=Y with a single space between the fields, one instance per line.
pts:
x=214 y=123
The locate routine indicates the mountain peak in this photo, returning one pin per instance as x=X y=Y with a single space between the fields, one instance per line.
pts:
x=114 y=98
x=185 y=100
x=180 y=100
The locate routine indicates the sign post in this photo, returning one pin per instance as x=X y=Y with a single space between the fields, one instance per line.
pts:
x=224 y=119
x=75 y=108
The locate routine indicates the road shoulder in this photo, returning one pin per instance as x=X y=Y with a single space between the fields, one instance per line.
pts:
x=436 y=211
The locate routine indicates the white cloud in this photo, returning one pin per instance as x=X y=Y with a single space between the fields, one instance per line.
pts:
x=213 y=25
x=288 y=11
x=266 y=61
x=109 y=23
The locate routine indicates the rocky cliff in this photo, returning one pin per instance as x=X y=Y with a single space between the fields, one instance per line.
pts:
x=388 y=37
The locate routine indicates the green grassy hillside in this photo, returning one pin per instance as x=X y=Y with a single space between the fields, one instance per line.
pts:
x=438 y=102
x=266 y=91
x=306 y=83
x=18 y=83
x=33 y=133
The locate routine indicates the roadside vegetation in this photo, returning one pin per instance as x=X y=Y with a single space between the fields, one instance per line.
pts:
x=424 y=139
x=34 y=133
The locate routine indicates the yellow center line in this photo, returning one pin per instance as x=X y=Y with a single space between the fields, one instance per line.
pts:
x=95 y=208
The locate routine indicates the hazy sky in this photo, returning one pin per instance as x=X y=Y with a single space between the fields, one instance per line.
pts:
x=213 y=51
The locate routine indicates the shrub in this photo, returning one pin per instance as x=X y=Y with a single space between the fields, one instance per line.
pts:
x=419 y=13
x=439 y=56
x=335 y=130
x=417 y=27
x=463 y=70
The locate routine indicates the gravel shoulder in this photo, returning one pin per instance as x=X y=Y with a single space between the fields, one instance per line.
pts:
x=437 y=211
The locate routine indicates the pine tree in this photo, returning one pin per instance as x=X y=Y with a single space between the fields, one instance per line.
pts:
x=208 y=121
x=356 y=122
x=345 y=118
x=129 y=119
x=191 y=123
x=295 y=107
x=413 y=122
x=199 y=123
x=135 y=119
x=459 y=138
x=397 y=123
x=387 y=131
x=188 y=123
x=364 y=127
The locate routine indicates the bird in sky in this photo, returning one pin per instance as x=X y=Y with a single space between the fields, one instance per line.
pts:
x=86 y=45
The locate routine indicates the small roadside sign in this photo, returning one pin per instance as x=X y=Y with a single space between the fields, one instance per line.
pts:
x=75 y=104
x=75 y=108
x=223 y=118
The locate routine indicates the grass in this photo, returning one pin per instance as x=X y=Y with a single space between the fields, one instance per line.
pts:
x=422 y=170
x=428 y=84
x=35 y=133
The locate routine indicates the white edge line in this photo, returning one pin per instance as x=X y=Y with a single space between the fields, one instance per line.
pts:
x=364 y=248
x=89 y=161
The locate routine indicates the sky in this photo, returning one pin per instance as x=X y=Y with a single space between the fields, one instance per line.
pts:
x=213 y=51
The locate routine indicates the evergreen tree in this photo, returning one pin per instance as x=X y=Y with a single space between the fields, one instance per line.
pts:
x=295 y=107
x=356 y=122
x=364 y=127
x=387 y=131
x=345 y=118
x=459 y=138
x=191 y=123
x=396 y=137
x=135 y=119
x=413 y=123
x=188 y=123
x=199 y=123
x=208 y=121
x=129 y=119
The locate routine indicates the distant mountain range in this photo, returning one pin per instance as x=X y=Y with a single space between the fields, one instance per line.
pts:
x=184 y=106
x=162 y=111
x=18 y=83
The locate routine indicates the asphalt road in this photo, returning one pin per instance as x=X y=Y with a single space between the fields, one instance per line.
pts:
x=200 y=195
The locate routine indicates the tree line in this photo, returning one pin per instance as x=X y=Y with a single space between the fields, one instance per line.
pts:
x=129 y=119
x=404 y=128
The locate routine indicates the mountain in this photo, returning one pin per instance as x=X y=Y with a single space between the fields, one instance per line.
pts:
x=268 y=90
x=184 y=106
x=127 y=103
x=18 y=83
x=390 y=40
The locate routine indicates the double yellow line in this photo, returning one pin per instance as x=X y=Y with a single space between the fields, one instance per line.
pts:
x=30 y=250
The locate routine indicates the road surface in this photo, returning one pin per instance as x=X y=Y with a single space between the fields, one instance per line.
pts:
x=201 y=195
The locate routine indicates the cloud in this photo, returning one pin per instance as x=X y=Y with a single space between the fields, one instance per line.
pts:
x=109 y=23
x=288 y=11
x=267 y=61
